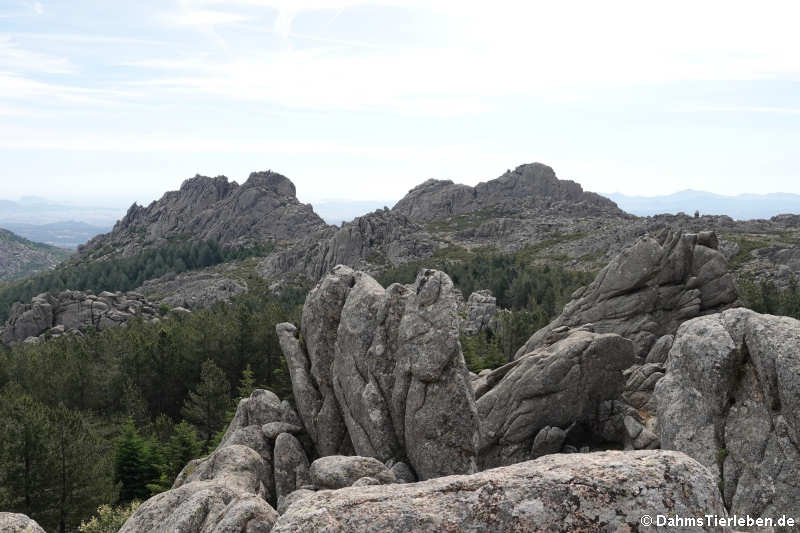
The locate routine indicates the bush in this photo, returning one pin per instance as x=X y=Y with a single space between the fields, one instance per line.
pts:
x=109 y=519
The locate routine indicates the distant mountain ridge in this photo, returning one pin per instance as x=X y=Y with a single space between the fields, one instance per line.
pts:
x=20 y=257
x=63 y=234
x=739 y=207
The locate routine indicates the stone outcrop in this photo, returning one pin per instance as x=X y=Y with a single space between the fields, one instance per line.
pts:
x=230 y=490
x=18 y=523
x=532 y=187
x=192 y=290
x=607 y=491
x=291 y=466
x=647 y=291
x=263 y=209
x=554 y=387
x=480 y=312
x=731 y=399
x=339 y=471
x=20 y=257
x=73 y=311
x=394 y=364
x=371 y=242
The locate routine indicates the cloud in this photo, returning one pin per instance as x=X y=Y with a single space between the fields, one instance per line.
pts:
x=203 y=17
x=17 y=59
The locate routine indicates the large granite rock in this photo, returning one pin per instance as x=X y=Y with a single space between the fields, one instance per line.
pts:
x=263 y=209
x=553 y=387
x=339 y=471
x=371 y=242
x=731 y=399
x=480 y=312
x=18 y=523
x=291 y=466
x=223 y=493
x=192 y=290
x=607 y=491
x=648 y=290
x=531 y=186
x=71 y=311
x=230 y=490
x=394 y=361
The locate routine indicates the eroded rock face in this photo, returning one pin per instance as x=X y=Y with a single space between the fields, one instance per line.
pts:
x=731 y=399
x=480 y=310
x=291 y=466
x=551 y=387
x=263 y=209
x=18 y=523
x=338 y=471
x=73 y=311
x=531 y=186
x=192 y=290
x=648 y=290
x=608 y=491
x=393 y=358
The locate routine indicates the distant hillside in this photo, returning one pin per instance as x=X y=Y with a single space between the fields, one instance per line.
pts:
x=20 y=257
x=63 y=234
x=740 y=207
x=39 y=211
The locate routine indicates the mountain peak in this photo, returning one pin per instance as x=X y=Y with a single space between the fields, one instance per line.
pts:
x=273 y=181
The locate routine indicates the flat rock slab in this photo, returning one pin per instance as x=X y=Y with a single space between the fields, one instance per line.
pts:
x=605 y=491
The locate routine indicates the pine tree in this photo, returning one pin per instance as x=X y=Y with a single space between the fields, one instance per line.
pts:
x=207 y=405
x=134 y=465
x=247 y=383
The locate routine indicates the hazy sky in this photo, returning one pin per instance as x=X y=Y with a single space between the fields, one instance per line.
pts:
x=117 y=101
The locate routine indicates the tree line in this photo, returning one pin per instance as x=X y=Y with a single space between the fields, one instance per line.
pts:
x=124 y=273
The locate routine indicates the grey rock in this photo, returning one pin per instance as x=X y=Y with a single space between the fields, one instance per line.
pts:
x=548 y=440
x=587 y=492
x=192 y=290
x=647 y=291
x=219 y=494
x=293 y=497
x=70 y=311
x=273 y=429
x=481 y=310
x=403 y=473
x=262 y=407
x=532 y=186
x=365 y=482
x=555 y=386
x=642 y=380
x=337 y=471
x=658 y=353
x=18 y=523
x=263 y=209
x=291 y=466
x=395 y=363
x=730 y=399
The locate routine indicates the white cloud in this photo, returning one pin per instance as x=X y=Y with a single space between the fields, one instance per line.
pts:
x=15 y=58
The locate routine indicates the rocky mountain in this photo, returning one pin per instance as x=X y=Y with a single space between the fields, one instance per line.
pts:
x=531 y=188
x=392 y=433
x=20 y=257
x=264 y=209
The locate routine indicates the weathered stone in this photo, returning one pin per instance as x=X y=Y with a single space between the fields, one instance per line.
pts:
x=403 y=473
x=647 y=291
x=606 y=491
x=273 y=429
x=556 y=386
x=18 y=523
x=337 y=471
x=293 y=497
x=481 y=310
x=548 y=440
x=291 y=466
x=731 y=399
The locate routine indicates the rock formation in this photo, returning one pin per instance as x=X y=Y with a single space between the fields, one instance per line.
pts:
x=20 y=257
x=647 y=291
x=371 y=242
x=480 y=312
x=18 y=523
x=554 y=387
x=606 y=491
x=382 y=369
x=731 y=399
x=73 y=311
x=532 y=187
x=263 y=209
x=192 y=290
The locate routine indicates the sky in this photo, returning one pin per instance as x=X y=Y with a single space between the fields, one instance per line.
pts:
x=113 y=102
